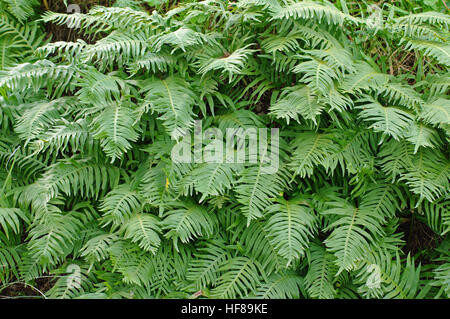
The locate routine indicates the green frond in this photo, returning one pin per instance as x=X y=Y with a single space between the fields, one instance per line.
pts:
x=153 y=62
x=290 y=225
x=352 y=232
x=311 y=150
x=52 y=238
x=155 y=186
x=442 y=277
x=99 y=89
x=389 y=120
x=417 y=31
x=204 y=268
x=430 y=17
x=319 y=278
x=354 y=152
x=422 y=136
x=18 y=41
x=10 y=259
x=259 y=245
x=114 y=128
x=39 y=116
x=83 y=22
x=173 y=99
x=125 y=18
x=11 y=220
x=429 y=174
x=133 y=264
x=231 y=63
x=317 y=73
x=437 y=215
x=24 y=166
x=240 y=276
x=436 y=112
x=66 y=136
x=143 y=229
x=69 y=50
x=383 y=200
x=72 y=282
x=296 y=101
x=182 y=38
x=71 y=177
x=311 y=10
x=119 y=205
x=439 y=51
x=42 y=73
x=116 y=47
x=255 y=189
x=281 y=286
x=395 y=157
x=365 y=78
x=401 y=95
x=211 y=179
x=388 y=278
x=186 y=221
x=96 y=249
x=438 y=83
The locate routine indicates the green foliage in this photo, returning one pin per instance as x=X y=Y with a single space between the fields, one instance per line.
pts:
x=87 y=129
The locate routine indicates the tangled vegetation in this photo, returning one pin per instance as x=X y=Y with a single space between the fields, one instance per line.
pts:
x=92 y=104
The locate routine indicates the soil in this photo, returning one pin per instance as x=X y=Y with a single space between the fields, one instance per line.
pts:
x=419 y=237
x=23 y=291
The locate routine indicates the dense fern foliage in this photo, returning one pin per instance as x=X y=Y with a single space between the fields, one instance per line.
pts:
x=360 y=97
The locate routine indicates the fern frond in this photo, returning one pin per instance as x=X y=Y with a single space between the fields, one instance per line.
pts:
x=422 y=136
x=211 y=179
x=51 y=238
x=231 y=64
x=311 y=10
x=290 y=226
x=21 y=9
x=43 y=73
x=430 y=17
x=255 y=189
x=281 y=286
x=352 y=232
x=119 y=205
x=96 y=248
x=65 y=136
x=436 y=113
x=395 y=281
x=319 y=279
x=204 y=268
x=401 y=95
x=240 y=277
x=439 y=51
x=173 y=99
x=39 y=116
x=11 y=220
x=311 y=150
x=153 y=62
x=18 y=41
x=298 y=100
x=114 y=128
x=143 y=229
x=259 y=245
x=389 y=120
x=182 y=38
x=72 y=177
x=186 y=221
x=365 y=78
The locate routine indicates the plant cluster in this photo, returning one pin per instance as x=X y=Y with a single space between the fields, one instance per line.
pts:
x=359 y=95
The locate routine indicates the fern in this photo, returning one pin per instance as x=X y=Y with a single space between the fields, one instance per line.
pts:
x=91 y=115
